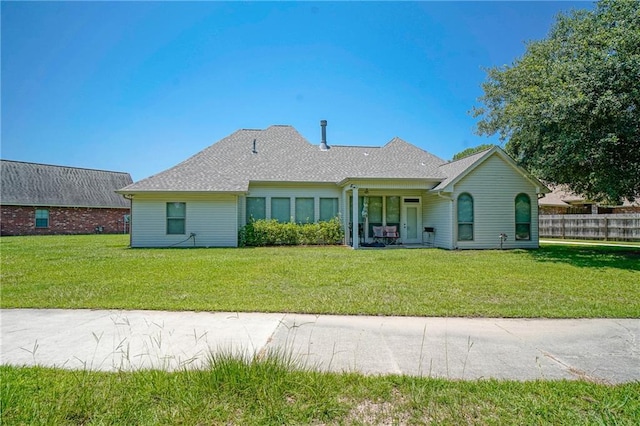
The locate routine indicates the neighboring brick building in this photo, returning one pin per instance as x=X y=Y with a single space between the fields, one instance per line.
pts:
x=41 y=199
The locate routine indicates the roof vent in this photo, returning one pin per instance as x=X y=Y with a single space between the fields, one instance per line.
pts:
x=254 y=150
x=323 y=143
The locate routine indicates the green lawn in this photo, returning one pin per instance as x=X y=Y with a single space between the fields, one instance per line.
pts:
x=585 y=241
x=100 y=271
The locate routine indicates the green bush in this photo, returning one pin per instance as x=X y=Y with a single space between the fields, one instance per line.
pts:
x=264 y=232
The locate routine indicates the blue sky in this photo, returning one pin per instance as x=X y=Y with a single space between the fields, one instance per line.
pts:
x=141 y=86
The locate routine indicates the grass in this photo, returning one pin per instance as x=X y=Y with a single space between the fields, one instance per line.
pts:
x=100 y=271
x=270 y=391
x=613 y=242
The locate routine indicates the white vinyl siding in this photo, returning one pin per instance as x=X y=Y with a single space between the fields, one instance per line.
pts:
x=494 y=185
x=437 y=214
x=211 y=217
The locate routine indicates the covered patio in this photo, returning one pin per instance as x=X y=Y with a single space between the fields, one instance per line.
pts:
x=387 y=215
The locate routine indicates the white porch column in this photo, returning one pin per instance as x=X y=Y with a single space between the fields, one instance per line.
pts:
x=345 y=216
x=354 y=220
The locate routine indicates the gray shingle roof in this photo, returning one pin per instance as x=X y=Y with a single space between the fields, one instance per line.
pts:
x=455 y=168
x=283 y=155
x=35 y=184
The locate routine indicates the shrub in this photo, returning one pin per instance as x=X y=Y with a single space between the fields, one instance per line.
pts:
x=273 y=233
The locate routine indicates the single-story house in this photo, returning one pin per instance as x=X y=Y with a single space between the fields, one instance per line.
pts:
x=276 y=173
x=561 y=200
x=41 y=199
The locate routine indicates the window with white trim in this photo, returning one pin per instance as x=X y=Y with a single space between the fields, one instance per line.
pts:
x=523 y=217
x=42 y=218
x=176 y=218
x=465 y=217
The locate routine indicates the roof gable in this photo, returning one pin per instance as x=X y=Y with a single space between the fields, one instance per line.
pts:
x=281 y=154
x=457 y=170
x=48 y=185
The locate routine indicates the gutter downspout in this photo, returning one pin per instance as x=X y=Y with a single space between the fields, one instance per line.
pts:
x=453 y=228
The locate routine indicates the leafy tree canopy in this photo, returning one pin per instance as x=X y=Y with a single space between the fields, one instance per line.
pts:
x=569 y=108
x=470 y=151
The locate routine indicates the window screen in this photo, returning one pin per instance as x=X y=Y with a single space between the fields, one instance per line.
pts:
x=305 y=210
x=328 y=208
x=256 y=208
x=393 y=211
x=281 y=209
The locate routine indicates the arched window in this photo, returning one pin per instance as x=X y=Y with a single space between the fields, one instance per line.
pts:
x=523 y=217
x=465 y=217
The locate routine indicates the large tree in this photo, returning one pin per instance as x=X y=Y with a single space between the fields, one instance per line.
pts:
x=569 y=108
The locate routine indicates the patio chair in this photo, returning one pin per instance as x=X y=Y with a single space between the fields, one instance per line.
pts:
x=378 y=234
x=391 y=234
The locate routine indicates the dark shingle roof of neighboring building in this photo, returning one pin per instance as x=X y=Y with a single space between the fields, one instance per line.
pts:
x=283 y=155
x=34 y=184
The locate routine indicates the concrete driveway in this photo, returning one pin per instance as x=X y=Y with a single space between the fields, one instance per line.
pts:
x=601 y=350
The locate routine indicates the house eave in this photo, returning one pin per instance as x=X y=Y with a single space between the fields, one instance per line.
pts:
x=65 y=206
x=164 y=192
x=428 y=182
x=291 y=182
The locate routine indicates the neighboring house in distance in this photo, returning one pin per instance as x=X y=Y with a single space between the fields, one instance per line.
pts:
x=45 y=199
x=275 y=173
x=561 y=200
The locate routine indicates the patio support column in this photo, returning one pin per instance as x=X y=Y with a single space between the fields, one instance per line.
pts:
x=354 y=219
x=345 y=215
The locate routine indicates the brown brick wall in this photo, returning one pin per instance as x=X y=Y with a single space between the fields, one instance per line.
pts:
x=21 y=220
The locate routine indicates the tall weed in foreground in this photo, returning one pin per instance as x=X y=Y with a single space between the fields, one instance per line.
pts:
x=266 y=390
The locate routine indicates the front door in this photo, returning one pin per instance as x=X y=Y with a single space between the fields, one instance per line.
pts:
x=411 y=228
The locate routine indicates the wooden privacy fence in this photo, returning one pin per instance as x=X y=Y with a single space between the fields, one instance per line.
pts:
x=621 y=227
